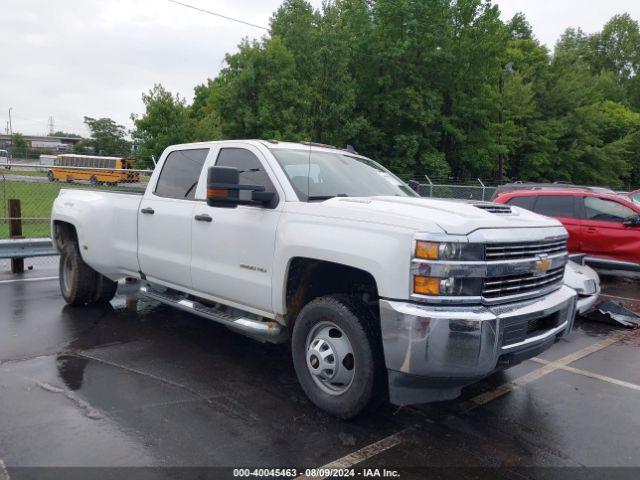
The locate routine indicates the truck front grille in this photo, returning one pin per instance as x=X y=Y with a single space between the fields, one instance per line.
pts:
x=496 y=287
x=514 y=251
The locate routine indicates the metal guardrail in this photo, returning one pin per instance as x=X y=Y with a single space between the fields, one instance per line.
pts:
x=26 y=248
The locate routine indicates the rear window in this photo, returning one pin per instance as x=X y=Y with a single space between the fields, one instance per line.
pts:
x=524 y=202
x=180 y=174
x=556 y=206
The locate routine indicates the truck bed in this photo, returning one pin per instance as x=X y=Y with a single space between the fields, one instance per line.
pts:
x=108 y=222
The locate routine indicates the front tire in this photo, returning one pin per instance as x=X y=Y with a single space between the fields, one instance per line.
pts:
x=337 y=355
x=77 y=279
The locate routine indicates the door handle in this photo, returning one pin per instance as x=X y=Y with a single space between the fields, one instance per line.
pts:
x=148 y=210
x=203 y=218
x=592 y=230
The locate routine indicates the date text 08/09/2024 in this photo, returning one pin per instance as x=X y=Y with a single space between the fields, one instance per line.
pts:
x=316 y=472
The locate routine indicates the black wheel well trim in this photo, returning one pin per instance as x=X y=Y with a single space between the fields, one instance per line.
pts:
x=299 y=290
x=64 y=231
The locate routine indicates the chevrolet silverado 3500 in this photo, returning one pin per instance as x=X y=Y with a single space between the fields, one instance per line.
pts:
x=381 y=293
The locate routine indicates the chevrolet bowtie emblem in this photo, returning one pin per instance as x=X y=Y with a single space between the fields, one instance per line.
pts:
x=542 y=264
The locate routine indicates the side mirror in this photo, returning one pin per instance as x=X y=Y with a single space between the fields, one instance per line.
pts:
x=223 y=189
x=414 y=185
x=632 y=221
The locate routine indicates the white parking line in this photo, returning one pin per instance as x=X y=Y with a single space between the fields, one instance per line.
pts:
x=541 y=372
x=391 y=441
x=621 y=298
x=358 y=456
x=589 y=374
x=4 y=475
x=36 y=279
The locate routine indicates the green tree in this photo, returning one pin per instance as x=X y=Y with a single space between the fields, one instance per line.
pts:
x=599 y=144
x=166 y=121
x=18 y=142
x=258 y=95
x=437 y=87
x=107 y=137
x=60 y=133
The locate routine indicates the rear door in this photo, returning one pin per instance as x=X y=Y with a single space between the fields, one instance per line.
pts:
x=604 y=234
x=166 y=216
x=233 y=248
x=564 y=208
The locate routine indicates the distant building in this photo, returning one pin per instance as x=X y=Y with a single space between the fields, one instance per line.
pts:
x=40 y=141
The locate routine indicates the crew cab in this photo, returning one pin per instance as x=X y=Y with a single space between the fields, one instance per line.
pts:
x=381 y=293
x=606 y=227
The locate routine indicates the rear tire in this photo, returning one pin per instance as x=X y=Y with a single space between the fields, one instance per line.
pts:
x=105 y=289
x=77 y=279
x=337 y=355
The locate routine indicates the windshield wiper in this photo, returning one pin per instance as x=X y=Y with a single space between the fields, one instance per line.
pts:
x=325 y=197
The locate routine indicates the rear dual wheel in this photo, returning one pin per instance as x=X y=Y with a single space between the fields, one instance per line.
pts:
x=79 y=283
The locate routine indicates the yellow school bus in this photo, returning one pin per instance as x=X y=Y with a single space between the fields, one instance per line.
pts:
x=97 y=170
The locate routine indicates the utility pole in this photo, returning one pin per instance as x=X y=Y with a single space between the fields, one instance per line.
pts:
x=10 y=128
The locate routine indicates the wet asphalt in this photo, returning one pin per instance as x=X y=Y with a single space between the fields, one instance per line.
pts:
x=153 y=386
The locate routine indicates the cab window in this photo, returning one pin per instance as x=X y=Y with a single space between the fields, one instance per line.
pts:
x=251 y=170
x=180 y=174
x=602 y=210
x=556 y=206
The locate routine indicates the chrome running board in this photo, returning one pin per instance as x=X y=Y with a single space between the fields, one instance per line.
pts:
x=266 y=331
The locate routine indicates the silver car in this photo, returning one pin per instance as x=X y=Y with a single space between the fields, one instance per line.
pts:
x=585 y=281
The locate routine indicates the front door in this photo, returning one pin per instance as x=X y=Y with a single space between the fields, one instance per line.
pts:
x=233 y=248
x=604 y=234
x=165 y=219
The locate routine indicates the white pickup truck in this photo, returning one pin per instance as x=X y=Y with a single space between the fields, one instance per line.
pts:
x=381 y=293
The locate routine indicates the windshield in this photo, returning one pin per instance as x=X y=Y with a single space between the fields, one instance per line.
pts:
x=319 y=175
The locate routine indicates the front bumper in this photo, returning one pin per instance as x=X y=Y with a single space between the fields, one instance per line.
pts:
x=586 y=302
x=431 y=352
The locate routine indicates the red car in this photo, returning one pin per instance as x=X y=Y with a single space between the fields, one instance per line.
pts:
x=604 y=226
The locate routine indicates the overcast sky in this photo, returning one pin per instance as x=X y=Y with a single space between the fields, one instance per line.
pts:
x=67 y=59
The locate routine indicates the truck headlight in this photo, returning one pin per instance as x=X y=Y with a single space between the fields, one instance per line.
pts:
x=447 y=287
x=453 y=251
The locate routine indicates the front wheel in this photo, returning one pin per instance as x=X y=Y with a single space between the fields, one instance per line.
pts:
x=337 y=355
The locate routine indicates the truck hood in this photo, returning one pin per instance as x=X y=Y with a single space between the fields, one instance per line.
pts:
x=454 y=217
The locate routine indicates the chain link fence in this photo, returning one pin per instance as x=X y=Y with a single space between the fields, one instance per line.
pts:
x=459 y=192
x=27 y=193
